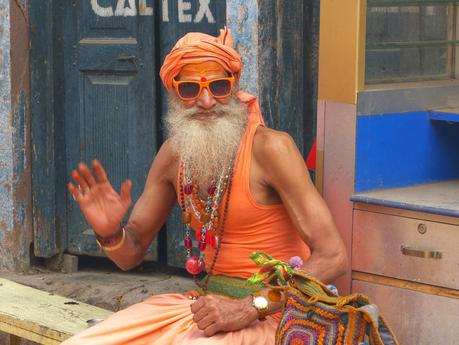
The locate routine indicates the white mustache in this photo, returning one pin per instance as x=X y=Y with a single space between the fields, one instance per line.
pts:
x=206 y=147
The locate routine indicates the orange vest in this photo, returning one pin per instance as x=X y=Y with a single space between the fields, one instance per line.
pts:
x=251 y=226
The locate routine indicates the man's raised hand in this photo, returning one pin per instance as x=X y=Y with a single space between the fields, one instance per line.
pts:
x=100 y=204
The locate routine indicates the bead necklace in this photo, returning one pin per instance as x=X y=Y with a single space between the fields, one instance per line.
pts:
x=207 y=212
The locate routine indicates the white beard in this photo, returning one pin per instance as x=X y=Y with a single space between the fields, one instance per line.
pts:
x=207 y=147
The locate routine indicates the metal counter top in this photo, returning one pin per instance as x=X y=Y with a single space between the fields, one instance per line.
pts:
x=438 y=198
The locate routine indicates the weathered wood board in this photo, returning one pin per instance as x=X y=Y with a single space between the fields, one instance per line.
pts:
x=43 y=317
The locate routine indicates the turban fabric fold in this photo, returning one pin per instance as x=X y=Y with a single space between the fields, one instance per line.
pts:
x=196 y=47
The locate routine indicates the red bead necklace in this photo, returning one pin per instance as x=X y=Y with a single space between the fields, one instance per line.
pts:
x=207 y=212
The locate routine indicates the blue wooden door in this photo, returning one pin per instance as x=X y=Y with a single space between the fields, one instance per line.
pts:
x=110 y=98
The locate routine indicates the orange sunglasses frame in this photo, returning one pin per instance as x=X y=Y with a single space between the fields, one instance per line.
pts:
x=202 y=85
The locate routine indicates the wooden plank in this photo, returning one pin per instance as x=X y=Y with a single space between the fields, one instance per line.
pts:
x=42 y=317
x=14 y=340
x=288 y=49
x=42 y=107
x=18 y=332
x=430 y=289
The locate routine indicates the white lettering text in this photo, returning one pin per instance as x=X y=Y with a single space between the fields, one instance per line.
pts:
x=126 y=11
x=182 y=7
x=130 y=10
x=145 y=10
x=204 y=10
x=165 y=9
x=101 y=11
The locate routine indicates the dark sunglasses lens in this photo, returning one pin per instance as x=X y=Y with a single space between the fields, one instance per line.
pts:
x=188 y=89
x=220 y=87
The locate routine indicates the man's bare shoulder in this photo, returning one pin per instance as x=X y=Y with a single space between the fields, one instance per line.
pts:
x=167 y=151
x=269 y=143
x=165 y=164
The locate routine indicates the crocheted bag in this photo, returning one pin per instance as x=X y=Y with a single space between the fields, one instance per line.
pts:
x=315 y=315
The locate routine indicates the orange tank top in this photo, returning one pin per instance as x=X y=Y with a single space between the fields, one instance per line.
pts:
x=251 y=226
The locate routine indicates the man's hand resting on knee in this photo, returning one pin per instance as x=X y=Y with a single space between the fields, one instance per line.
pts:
x=214 y=314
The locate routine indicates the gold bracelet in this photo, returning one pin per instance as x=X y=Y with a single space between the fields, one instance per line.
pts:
x=116 y=246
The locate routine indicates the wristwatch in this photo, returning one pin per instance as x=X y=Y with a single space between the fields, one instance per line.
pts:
x=260 y=303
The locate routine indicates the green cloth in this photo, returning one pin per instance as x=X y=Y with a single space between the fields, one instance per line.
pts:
x=229 y=286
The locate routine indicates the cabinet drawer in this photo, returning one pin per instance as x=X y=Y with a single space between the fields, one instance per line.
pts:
x=393 y=246
x=415 y=317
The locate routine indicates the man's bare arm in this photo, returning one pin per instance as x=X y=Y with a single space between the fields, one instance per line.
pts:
x=285 y=171
x=277 y=158
x=150 y=211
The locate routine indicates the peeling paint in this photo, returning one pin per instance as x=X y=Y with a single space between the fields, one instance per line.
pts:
x=242 y=19
x=15 y=171
x=6 y=144
x=19 y=135
x=6 y=171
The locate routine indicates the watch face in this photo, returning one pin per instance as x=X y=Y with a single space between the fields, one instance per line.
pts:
x=260 y=302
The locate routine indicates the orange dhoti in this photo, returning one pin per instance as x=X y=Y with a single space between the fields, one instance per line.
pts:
x=167 y=319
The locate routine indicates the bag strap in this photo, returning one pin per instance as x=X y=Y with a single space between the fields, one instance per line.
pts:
x=318 y=291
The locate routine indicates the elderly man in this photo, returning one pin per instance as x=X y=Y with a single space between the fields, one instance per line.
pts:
x=242 y=188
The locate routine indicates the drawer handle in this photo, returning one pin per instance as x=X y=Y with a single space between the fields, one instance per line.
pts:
x=427 y=254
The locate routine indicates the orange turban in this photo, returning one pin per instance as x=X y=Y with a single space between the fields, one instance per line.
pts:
x=196 y=47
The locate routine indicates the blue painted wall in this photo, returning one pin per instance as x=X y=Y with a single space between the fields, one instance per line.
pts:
x=398 y=150
x=242 y=20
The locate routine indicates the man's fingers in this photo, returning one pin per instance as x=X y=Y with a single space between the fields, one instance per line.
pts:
x=200 y=314
x=84 y=170
x=125 y=193
x=99 y=171
x=212 y=329
x=75 y=192
x=206 y=322
x=197 y=305
x=80 y=180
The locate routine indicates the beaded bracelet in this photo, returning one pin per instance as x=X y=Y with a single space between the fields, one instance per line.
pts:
x=116 y=246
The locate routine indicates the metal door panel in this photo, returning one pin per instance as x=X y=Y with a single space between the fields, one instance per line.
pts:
x=415 y=317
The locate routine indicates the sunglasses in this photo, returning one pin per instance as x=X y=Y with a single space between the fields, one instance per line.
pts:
x=189 y=90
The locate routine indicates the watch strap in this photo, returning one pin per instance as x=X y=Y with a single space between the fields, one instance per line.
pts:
x=262 y=312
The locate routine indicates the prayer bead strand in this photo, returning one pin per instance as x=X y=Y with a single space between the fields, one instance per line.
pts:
x=207 y=214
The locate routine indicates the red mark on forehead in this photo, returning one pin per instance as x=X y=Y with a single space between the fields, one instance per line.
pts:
x=203 y=79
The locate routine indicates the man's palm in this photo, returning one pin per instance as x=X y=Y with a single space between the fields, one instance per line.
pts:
x=100 y=204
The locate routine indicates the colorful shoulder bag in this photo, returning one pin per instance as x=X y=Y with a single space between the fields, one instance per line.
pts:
x=315 y=315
